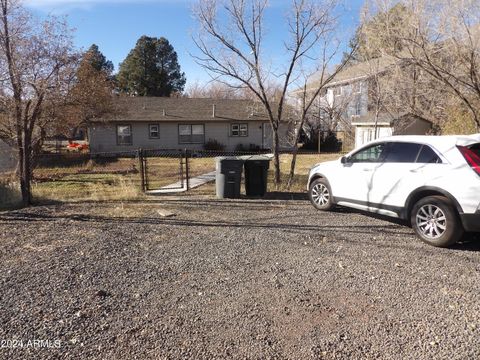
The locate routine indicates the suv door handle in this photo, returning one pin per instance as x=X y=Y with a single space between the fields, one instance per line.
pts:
x=367 y=170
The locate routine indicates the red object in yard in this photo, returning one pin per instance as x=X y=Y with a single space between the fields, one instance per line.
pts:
x=73 y=146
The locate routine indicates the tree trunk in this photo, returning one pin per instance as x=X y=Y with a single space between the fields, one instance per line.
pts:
x=293 y=163
x=24 y=158
x=292 y=166
x=276 y=159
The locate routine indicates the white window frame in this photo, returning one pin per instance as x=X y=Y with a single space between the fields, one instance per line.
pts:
x=192 y=131
x=150 y=136
x=124 y=134
x=239 y=130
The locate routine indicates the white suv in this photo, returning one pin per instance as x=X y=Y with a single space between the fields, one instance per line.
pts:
x=432 y=181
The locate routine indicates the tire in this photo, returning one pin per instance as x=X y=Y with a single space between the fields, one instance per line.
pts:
x=320 y=194
x=436 y=221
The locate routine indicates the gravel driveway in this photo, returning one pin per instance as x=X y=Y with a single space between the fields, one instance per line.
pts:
x=230 y=279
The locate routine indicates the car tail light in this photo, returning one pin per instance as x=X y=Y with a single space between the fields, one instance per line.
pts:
x=472 y=158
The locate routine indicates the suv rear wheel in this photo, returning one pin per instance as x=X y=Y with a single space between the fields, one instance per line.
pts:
x=436 y=222
x=320 y=194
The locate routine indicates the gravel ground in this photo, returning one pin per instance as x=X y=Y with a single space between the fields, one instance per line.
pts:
x=230 y=279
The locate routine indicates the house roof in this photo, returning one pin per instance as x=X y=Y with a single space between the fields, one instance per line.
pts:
x=356 y=72
x=363 y=70
x=161 y=109
x=384 y=118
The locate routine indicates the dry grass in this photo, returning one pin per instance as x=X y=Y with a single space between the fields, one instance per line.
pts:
x=120 y=181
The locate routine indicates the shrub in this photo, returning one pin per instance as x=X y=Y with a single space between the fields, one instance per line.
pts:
x=240 y=148
x=214 y=145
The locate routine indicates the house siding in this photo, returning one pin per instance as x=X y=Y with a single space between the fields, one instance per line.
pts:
x=103 y=137
x=8 y=159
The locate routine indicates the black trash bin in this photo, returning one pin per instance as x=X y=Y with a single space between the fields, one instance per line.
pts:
x=228 y=177
x=256 y=175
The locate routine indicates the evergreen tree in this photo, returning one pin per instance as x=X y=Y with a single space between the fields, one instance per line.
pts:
x=151 y=69
x=98 y=61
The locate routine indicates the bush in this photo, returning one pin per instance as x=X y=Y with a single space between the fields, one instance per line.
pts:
x=10 y=196
x=241 y=148
x=328 y=143
x=214 y=145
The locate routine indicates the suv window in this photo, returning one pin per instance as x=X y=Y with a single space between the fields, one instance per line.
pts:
x=372 y=153
x=428 y=156
x=401 y=152
x=475 y=148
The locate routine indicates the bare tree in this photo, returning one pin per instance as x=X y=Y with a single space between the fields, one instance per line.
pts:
x=314 y=84
x=445 y=44
x=232 y=45
x=215 y=90
x=35 y=66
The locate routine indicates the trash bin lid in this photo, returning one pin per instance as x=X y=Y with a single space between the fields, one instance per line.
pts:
x=221 y=158
x=267 y=157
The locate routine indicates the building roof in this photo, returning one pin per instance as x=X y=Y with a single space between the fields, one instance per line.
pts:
x=161 y=109
x=363 y=70
x=384 y=118
x=355 y=72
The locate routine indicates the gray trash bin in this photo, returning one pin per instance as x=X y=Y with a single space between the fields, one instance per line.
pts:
x=228 y=177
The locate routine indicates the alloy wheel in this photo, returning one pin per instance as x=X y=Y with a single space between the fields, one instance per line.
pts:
x=431 y=221
x=320 y=194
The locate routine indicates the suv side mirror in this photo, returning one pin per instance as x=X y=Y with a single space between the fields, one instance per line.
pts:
x=344 y=159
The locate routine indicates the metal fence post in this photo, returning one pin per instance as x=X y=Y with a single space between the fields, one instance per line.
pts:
x=187 y=170
x=142 y=169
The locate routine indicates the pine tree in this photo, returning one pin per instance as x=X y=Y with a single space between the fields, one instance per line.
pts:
x=151 y=69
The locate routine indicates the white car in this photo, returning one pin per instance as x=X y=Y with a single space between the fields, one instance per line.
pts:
x=431 y=181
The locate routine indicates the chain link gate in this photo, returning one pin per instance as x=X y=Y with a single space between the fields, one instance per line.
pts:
x=164 y=171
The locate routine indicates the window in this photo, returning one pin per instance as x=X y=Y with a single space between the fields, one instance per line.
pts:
x=191 y=134
x=356 y=88
x=400 y=152
x=475 y=148
x=154 y=131
x=239 y=130
x=124 y=134
x=428 y=156
x=337 y=91
x=372 y=153
x=357 y=106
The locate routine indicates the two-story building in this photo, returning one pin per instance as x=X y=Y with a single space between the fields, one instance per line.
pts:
x=350 y=103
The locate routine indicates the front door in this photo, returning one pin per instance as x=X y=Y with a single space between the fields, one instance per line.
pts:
x=267 y=139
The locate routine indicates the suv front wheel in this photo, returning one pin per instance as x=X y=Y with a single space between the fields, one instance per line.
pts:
x=436 y=222
x=320 y=194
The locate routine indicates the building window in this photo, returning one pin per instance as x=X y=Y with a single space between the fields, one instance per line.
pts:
x=357 y=109
x=124 y=135
x=191 y=134
x=356 y=88
x=154 y=131
x=337 y=91
x=239 y=130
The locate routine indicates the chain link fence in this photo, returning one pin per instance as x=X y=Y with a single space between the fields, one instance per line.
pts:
x=83 y=176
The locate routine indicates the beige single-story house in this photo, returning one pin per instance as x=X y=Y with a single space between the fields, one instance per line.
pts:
x=8 y=158
x=388 y=125
x=180 y=123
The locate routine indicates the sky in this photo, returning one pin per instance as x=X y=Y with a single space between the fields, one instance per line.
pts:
x=116 y=25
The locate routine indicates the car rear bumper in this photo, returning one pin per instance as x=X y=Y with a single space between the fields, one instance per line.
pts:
x=471 y=222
